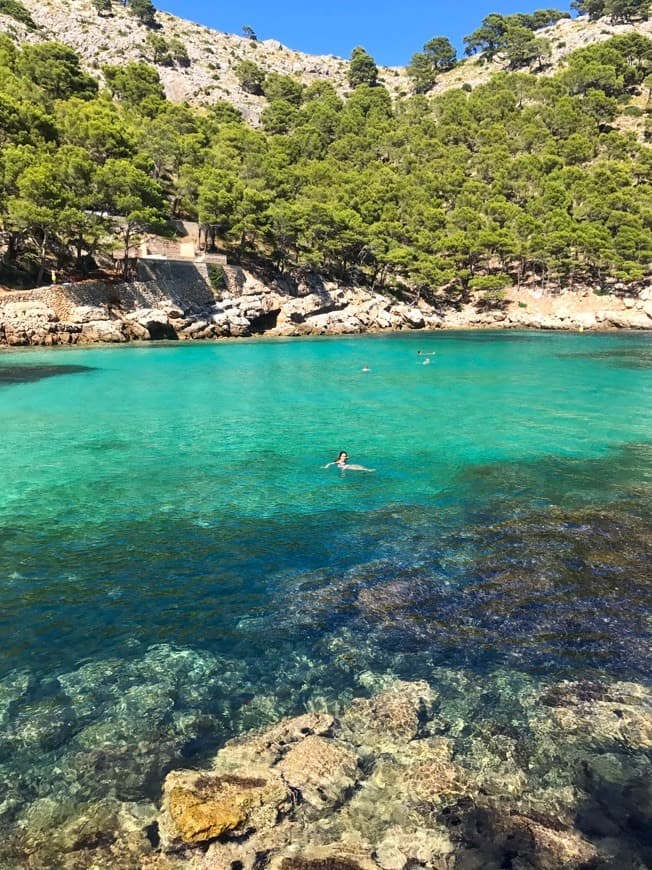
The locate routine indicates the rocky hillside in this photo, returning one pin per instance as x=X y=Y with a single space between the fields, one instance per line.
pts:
x=209 y=76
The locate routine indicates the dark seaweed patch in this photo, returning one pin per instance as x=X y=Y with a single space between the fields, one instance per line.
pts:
x=10 y=375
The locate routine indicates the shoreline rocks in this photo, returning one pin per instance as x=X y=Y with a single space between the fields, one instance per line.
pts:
x=547 y=775
x=177 y=302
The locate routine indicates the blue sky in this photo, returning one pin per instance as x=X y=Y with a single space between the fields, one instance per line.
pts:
x=390 y=30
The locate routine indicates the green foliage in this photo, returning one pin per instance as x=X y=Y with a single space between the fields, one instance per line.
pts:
x=522 y=175
x=620 y=11
x=441 y=53
x=278 y=117
x=137 y=84
x=249 y=33
x=250 y=76
x=55 y=69
x=166 y=52
x=103 y=7
x=15 y=9
x=144 y=11
x=225 y=113
x=512 y=35
x=493 y=284
x=422 y=73
x=216 y=276
x=279 y=87
x=438 y=55
x=362 y=68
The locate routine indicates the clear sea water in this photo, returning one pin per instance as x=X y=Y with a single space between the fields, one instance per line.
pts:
x=177 y=565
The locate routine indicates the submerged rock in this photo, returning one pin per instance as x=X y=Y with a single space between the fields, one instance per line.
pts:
x=321 y=770
x=202 y=806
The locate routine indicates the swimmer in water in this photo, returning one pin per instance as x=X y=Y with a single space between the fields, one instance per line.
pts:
x=428 y=353
x=342 y=463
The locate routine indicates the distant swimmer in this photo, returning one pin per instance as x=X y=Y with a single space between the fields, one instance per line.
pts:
x=366 y=369
x=427 y=353
x=342 y=462
x=426 y=362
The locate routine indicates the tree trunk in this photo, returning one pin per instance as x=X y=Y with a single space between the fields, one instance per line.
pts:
x=41 y=269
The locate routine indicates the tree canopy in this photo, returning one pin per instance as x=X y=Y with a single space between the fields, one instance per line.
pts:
x=522 y=175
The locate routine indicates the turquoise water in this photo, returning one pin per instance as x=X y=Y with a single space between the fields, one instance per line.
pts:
x=177 y=565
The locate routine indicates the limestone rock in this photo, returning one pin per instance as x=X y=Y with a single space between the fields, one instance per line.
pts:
x=321 y=770
x=390 y=717
x=201 y=806
x=334 y=856
x=88 y=313
x=102 y=331
x=628 y=319
x=402 y=848
x=267 y=747
x=414 y=318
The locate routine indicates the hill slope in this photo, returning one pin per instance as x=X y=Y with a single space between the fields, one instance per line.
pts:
x=213 y=56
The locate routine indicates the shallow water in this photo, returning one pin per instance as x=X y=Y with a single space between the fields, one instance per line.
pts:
x=177 y=565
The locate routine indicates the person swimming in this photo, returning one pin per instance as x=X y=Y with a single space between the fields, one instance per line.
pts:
x=342 y=462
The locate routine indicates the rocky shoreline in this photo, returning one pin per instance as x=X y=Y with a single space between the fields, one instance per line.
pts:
x=393 y=781
x=175 y=301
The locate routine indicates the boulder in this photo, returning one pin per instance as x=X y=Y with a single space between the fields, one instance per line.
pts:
x=109 y=331
x=201 y=806
x=321 y=770
x=88 y=313
x=155 y=321
x=413 y=317
x=627 y=319
x=391 y=717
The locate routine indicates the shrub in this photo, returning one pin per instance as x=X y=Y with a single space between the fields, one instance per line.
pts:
x=490 y=283
x=15 y=9
x=217 y=276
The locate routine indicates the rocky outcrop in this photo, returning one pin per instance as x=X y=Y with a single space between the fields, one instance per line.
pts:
x=380 y=788
x=177 y=302
x=552 y=775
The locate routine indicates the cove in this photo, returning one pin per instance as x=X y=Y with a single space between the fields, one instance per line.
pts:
x=178 y=567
